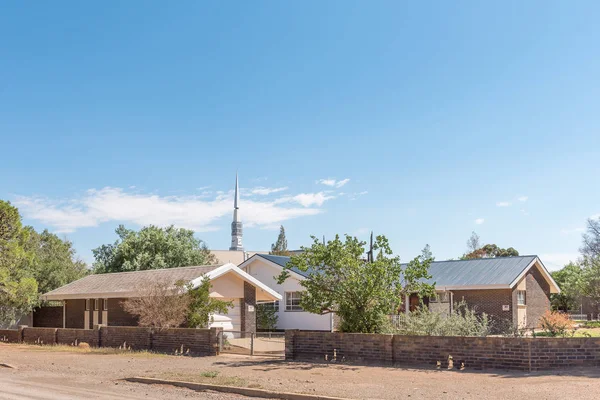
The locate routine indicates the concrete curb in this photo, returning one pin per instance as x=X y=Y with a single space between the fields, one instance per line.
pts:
x=267 y=394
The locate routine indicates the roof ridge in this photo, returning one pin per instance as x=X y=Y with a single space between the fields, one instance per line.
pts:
x=484 y=258
x=156 y=269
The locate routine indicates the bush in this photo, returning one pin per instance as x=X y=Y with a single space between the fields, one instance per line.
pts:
x=266 y=317
x=557 y=324
x=462 y=321
x=592 y=324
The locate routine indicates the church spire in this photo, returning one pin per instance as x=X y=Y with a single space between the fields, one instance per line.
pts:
x=236 y=224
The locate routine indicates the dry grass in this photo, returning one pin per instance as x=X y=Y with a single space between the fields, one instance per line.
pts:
x=86 y=350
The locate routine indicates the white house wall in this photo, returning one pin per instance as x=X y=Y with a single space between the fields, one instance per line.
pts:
x=266 y=273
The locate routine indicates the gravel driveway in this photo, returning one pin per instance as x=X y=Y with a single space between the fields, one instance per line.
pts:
x=89 y=370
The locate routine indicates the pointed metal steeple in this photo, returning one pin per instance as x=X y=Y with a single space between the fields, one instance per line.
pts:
x=236 y=225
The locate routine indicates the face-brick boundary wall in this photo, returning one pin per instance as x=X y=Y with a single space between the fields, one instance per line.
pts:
x=193 y=342
x=527 y=354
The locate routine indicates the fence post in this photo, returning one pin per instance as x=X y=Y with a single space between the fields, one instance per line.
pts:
x=252 y=336
x=98 y=329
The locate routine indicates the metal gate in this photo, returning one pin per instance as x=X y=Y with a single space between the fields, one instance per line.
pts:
x=252 y=344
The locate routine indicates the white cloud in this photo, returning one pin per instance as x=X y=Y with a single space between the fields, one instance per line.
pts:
x=523 y=198
x=595 y=216
x=554 y=261
x=193 y=212
x=479 y=221
x=307 y=199
x=333 y=182
x=524 y=212
x=503 y=204
x=264 y=191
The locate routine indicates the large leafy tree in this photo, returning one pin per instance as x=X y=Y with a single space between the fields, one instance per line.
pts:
x=591 y=239
x=279 y=248
x=361 y=293
x=569 y=279
x=18 y=289
x=53 y=263
x=151 y=248
x=590 y=262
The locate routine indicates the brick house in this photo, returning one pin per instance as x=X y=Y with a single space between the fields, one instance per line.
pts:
x=515 y=290
x=98 y=299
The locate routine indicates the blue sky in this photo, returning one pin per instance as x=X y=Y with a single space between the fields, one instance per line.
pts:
x=422 y=122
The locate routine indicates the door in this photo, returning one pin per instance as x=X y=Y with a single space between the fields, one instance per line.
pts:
x=232 y=321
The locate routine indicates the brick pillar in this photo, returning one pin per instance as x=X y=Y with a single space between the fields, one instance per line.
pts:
x=290 y=342
x=215 y=334
x=249 y=308
x=21 y=333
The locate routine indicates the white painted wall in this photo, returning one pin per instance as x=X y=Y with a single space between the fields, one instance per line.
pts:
x=266 y=273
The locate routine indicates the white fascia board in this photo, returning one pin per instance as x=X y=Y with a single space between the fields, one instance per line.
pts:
x=471 y=287
x=229 y=267
x=554 y=288
x=249 y=261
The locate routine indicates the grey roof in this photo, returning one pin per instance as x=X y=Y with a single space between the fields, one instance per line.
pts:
x=125 y=282
x=282 y=261
x=480 y=271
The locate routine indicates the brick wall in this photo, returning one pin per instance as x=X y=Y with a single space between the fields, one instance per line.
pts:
x=249 y=300
x=537 y=297
x=196 y=342
x=135 y=337
x=73 y=336
x=9 y=335
x=74 y=313
x=117 y=316
x=475 y=353
x=489 y=302
x=187 y=340
x=39 y=335
x=48 y=317
x=350 y=346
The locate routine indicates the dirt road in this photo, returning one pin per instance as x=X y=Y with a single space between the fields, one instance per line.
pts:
x=97 y=374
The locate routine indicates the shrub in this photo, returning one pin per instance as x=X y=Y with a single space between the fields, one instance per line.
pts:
x=462 y=321
x=557 y=324
x=592 y=324
x=266 y=317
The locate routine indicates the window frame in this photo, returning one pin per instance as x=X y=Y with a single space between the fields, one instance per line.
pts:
x=295 y=296
x=96 y=304
x=87 y=304
x=521 y=297
x=104 y=304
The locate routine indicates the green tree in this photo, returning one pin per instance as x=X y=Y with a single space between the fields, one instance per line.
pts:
x=361 y=293
x=279 y=248
x=151 y=248
x=18 y=289
x=491 y=251
x=54 y=262
x=590 y=279
x=266 y=316
x=202 y=306
x=427 y=254
x=569 y=279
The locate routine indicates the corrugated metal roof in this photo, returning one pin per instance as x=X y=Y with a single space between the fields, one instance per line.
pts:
x=477 y=272
x=124 y=282
x=480 y=271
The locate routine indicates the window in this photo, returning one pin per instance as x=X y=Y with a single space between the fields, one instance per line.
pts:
x=96 y=305
x=292 y=301
x=87 y=304
x=272 y=305
x=440 y=297
x=105 y=305
x=521 y=297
